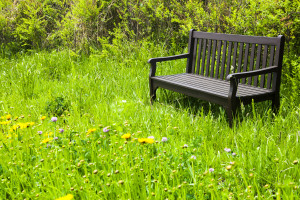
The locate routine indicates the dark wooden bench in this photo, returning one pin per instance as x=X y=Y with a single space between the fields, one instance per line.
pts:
x=226 y=69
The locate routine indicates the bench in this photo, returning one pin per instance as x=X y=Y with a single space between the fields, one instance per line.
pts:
x=226 y=69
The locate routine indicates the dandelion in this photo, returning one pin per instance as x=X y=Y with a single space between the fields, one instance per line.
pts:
x=211 y=169
x=227 y=150
x=61 y=130
x=91 y=130
x=54 y=119
x=46 y=140
x=146 y=140
x=105 y=130
x=150 y=140
x=193 y=157
x=126 y=136
x=43 y=117
x=8 y=117
x=164 y=139
x=68 y=197
x=40 y=132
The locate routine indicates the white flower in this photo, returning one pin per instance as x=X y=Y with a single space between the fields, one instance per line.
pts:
x=193 y=157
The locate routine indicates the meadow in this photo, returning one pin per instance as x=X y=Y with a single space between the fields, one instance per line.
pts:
x=83 y=127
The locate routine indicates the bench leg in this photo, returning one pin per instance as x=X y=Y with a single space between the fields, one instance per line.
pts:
x=231 y=112
x=275 y=104
x=152 y=93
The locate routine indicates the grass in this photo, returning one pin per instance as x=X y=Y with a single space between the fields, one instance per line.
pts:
x=202 y=158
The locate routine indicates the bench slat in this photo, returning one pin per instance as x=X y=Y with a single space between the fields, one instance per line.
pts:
x=203 y=57
x=229 y=59
x=245 y=61
x=223 y=60
x=199 y=56
x=238 y=38
x=213 y=57
x=194 y=56
x=257 y=63
x=253 y=46
x=218 y=58
x=270 y=64
x=210 y=85
x=208 y=58
x=240 y=57
x=264 y=64
x=234 y=56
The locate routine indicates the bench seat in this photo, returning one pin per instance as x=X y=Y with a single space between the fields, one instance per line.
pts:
x=199 y=86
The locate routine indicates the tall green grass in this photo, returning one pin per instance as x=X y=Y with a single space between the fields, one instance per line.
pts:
x=110 y=89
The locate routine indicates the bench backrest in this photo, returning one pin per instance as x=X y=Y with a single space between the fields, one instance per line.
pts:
x=217 y=55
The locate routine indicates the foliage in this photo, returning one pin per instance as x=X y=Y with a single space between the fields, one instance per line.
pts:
x=57 y=106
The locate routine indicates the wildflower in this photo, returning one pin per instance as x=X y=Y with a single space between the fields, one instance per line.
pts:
x=150 y=140
x=40 y=132
x=43 y=117
x=8 y=117
x=164 y=139
x=61 y=130
x=146 y=140
x=151 y=137
x=46 y=140
x=121 y=182
x=227 y=150
x=234 y=154
x=68 y=197
x=185 y=146
x=91 y=130
x=124 y=101
x=193 y=157
x=105 y=130
x=126 y=136
x=228 y=167
x=211 y=169
x=56 y=138
x=54 y=119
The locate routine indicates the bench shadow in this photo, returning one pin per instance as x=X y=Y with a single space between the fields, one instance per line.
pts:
x=196 y=106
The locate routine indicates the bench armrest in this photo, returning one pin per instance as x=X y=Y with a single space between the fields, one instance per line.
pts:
x=252 y=73
x=160 y=59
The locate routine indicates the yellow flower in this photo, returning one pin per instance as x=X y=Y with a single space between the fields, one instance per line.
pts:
x=68 y=197
x=43 y=118
x=142 y=140
x=48 y=134
x=46 y=140
x=8 y=117
x=5 y=122
x=126 y=136
x=149 y=140
x=91 y=130
x=146 y=140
